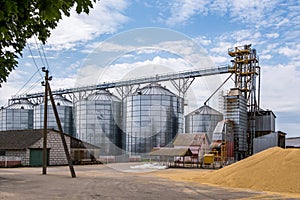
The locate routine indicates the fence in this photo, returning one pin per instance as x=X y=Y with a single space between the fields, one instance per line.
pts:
x=9 y=161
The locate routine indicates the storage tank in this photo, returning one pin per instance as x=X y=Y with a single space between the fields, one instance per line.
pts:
x=264 y=122
x=153 y=116
x=65 y=112
x=235 y=109
x=202 y=120
x=17 y=116
x=97 y=121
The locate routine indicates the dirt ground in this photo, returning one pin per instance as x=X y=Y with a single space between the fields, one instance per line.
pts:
x=113 y=181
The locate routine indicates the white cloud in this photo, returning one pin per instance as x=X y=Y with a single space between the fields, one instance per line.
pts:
x=290 y=51
x=93 y=74
x=270 y=48
x=28 y=64
x=280 y=87
x=185 y=48
x=182 y=11
x=219 y=6
x=272 y=35
x=191 y=52
x=219 y=59
x=248 y=11
x=15 y=85
x=62 y=83
x=203 y=40
x=282 y=22
x=265 y=56
x=245 y=36
x=105 y=18
x=221 y=47
x=106 y=47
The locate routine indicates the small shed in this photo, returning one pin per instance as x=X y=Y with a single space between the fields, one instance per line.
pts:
x=26 y=147
x=198 y=143
x=276 y=139
x=167 y=153
x=83 y=152
x=187 y=148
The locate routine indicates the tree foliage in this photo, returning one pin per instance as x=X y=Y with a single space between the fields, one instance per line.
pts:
x=21 y=19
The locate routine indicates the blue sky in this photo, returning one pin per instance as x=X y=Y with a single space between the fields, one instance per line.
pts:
x=272 y=27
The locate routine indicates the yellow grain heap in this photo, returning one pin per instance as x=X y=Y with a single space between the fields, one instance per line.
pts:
x=275 y=169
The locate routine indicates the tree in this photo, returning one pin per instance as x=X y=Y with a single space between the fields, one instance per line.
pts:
x=21 y=19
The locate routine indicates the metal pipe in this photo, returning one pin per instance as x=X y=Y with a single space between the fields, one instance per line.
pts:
x=217 y=89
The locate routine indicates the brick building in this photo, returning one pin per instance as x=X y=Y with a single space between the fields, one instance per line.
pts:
x=25 y=147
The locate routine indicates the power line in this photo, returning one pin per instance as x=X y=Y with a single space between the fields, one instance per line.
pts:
x=27 y=82
x=34 y=61
x=48 y=67
x=38 y=48
x=32 y=86
x=46 y=61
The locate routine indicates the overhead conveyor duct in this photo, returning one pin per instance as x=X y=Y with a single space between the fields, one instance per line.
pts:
x=136 y=81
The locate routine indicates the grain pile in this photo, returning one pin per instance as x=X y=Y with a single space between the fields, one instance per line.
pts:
x=275 y=170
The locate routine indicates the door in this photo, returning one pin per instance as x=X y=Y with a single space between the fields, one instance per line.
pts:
x=36 y=157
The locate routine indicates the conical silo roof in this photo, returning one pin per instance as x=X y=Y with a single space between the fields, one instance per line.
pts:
x=59 y=101
x=103 y=95
x=154 y=89
x=205 y=110
x=21 y=104
x=62 y=101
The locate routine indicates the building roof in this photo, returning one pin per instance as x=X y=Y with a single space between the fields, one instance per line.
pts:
x=292 y=142
x=171 y=152
x=19 y=140
x=79 y=144
x=190 y=139
x=23 y=139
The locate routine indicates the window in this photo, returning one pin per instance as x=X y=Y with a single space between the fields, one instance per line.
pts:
x=2 y=153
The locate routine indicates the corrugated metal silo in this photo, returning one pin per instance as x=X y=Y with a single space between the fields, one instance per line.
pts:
x=97 y=121
x=202 y=120
x=152 y=116
x=17 y=116
x=65 y=112
x=236 y=110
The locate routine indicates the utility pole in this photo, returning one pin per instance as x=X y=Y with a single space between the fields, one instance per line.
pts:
x=45 y=156
x=61 y=132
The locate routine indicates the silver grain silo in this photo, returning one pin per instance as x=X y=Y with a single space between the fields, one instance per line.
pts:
x=97 y=120
x=17 y=116
x=202 y=120
x=65 y=112
x=153 y=115
x=235 y=109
